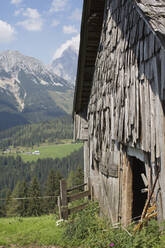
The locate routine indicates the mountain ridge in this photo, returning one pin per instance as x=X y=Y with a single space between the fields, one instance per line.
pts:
x=28 y=90
x=66 y=64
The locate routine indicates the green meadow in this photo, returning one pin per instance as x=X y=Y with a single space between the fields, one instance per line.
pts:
x=46 y=151
x=32 y=230
x=85 y=229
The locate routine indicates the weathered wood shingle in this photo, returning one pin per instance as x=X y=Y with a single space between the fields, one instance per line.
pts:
x=121 y=87
x=154 y=12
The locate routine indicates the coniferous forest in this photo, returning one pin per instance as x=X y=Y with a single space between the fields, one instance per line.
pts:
x=19 y=179
x=37 y=133
x=31 y=188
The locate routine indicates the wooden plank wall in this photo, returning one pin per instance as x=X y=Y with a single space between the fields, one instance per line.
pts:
x=80 y=127
x=128 y=92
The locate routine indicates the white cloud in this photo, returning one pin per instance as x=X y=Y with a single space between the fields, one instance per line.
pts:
x=69 y=29
x=7 y=32
x=18 y=12
x=55 y=23
x=31 y=25
x=58 y=5
x=33 y=22
x=74 y=43
x=16 y=1
x=32 y=13
x=76 y=15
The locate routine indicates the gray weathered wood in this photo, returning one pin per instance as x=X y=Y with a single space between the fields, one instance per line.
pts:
x=78 y=208
x=59 y=207
x=76 y=187
x=64 y=200
x=126 y=100
x=78 y=196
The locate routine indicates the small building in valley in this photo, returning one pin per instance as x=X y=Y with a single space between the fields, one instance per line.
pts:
x=119 y=104
x=36 y=153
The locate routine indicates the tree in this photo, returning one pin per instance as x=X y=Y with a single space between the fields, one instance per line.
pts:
x=52 y=189
x=79 y=176
x=18 y=207
x=57 y=181
x=75 y=177
x=71 y=179
x=34 y=206
x=8 y=195
x=2 y=211
x=24 y=202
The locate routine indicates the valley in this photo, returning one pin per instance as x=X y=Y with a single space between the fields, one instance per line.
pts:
x=37 y=155
x=45 y=150
x=37 y=79
x=36 y=141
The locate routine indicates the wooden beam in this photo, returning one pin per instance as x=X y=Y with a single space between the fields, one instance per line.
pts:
x=78 y=196
x=64 y=200
x=59 y=207
x=78 y=208
x=76 y=187
x=144 y=179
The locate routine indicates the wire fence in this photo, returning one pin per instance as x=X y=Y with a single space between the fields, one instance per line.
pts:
x=28 y=198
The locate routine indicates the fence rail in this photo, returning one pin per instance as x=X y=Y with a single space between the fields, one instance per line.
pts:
x=76 y=187
x=64 y=198
x=78 y=196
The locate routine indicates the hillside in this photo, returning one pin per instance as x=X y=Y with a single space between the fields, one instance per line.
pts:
x=37 y=133
x=28 y=91
x=14 y=169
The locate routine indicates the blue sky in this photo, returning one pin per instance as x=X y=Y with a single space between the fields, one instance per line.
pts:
x=40 y=28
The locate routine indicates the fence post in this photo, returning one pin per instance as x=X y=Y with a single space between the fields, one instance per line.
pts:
x=64 y=200
x=92 y=193
x=91 y=190
x=59 y=207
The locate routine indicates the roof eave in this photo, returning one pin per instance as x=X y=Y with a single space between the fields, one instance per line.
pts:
x=91 y=27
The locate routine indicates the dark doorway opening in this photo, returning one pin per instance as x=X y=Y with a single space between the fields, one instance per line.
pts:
x=139 y=198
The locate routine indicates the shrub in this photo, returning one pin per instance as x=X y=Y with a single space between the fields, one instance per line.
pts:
x=87 y=229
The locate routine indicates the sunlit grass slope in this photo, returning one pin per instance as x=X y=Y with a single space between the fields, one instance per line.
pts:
x=27 y=231
x=46 y=151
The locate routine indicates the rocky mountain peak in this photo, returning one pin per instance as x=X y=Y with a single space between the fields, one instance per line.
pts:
x=29 y=87
x=15 y=61
x=65 y=66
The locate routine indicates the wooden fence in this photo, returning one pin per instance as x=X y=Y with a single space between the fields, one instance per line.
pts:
x=66 y=198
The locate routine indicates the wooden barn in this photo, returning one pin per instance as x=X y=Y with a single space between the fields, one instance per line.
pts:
x=119 y=104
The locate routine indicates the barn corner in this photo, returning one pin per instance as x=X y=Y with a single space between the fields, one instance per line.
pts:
x=119 y=105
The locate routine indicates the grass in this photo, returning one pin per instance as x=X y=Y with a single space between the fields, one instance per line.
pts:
x=46 y=151
x=29 y=231
x=84 y=229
